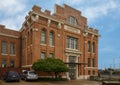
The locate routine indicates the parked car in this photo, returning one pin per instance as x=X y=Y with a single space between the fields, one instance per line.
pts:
x=29 y=75
x=11 y=76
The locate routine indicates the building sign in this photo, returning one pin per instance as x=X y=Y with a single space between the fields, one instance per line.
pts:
x=72 y=29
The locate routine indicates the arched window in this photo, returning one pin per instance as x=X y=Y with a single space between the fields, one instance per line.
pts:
x=43 y=36
x=72 y=20
x=51 y=40
x=93 y=47
x=88 y=46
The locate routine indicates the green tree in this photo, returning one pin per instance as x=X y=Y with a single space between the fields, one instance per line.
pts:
x=50 y=65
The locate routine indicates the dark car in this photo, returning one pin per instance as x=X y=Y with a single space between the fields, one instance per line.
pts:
x=12 y=76
x=29 y=75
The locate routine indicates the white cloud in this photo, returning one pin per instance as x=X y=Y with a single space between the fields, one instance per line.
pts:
x=11 y=7
x=14 y=22
x=13 y=13
x=106 y=49
x=69 y=2
x=100 y=9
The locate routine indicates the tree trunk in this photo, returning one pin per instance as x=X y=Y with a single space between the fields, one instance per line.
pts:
x=56 y=75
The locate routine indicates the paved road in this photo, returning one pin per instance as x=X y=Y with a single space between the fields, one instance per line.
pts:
x=73 y=82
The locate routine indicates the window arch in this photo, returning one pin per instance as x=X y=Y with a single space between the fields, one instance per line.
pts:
x=72 y=20
x=43 y=36
x=51 y=38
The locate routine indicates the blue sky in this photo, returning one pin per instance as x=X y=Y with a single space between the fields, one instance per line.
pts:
x=102 y=14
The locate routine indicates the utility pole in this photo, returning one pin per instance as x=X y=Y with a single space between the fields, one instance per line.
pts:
x=119 y=63
x=113 y=63
x=101 y=66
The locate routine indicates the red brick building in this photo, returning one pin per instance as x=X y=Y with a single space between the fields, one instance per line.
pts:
x=10 y=47
x=64 y=35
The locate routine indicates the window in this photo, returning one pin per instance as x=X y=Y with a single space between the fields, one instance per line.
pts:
x=72 y=42
x=51 y=55
x=72 y=59
x=93 y=47
x=4 y=47
x=43 y=55
x=12 y=63
x=4 y=63
x=89 y=62
x=72 y=20
x=43 y=36
x=93 y=62
x=12 y=48
x=89 y=72
x=51 y=42
x=88 y=46
x=93 y=72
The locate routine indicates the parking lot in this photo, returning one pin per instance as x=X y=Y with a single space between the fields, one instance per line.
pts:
x=72 y=82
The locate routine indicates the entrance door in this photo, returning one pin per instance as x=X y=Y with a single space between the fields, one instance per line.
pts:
x=72 y=67
x=72 y=74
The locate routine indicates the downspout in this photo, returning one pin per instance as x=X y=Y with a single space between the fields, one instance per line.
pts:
x=20 y=51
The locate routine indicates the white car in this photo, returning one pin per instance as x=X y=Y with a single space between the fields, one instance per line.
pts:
x=29 y=75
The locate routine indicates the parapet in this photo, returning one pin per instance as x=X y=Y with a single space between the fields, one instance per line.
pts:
x=36 y=8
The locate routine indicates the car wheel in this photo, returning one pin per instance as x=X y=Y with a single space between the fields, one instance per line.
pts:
x=6 y=80
x=18 y=80
x=25 y=79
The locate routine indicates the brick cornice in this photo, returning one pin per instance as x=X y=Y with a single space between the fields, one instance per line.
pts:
x=7 y=35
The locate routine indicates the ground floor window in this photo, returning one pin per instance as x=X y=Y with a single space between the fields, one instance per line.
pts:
x=43 y=55
x=51 y=55
x=89 y=72
x=12 y=64
x=4 y=63
x=93 y=72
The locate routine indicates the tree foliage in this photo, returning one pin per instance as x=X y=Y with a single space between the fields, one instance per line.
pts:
x=50 y=65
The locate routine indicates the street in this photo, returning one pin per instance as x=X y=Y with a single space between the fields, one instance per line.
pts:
x=72 y=82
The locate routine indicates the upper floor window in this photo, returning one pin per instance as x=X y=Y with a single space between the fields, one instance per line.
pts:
x=88 y=46
x=51 y=40
x=12 y=48
x=72 y=42
x=43 y=55
x=89 y=63
x=93 y=47
x=72 y=20
x=4 y=47
x=43 y=36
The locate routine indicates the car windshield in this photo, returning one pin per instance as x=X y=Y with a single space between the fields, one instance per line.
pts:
x=12 y=73
x=31 y=72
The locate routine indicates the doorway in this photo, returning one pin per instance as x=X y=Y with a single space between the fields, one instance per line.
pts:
x=72 y=67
